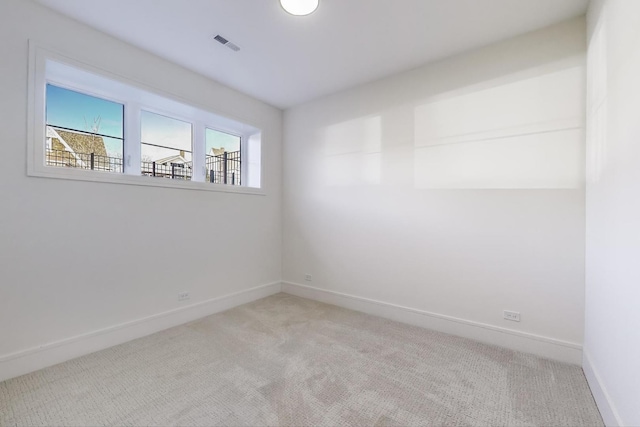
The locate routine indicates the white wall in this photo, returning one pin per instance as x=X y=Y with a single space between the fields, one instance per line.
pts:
x=455 y=190
x=612 y=334
x=78 y=257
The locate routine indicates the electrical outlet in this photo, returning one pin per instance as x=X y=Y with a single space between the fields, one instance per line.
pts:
x=307 y=277
x=512 y=315
x=183 y=296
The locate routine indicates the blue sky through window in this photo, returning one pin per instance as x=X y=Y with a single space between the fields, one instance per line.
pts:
x=78 y=111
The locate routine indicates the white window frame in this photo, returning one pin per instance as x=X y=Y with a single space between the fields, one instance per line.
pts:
x=49 y=66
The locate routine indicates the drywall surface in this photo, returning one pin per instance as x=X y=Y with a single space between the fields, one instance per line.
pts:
x=612 y=335
x=456 y=189
x=77 y=257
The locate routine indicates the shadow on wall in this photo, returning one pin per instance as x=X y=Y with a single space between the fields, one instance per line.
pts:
x=520 y=131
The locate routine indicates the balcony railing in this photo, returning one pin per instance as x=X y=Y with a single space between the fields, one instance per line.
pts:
x=225 y=168
x=167 y=170
x=91 y=161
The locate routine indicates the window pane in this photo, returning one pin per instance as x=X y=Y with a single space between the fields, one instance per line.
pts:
x=223 y=162
x=83 y=131
x=166 y=147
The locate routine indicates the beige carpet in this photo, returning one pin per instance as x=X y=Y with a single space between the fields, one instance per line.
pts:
x=285 y=360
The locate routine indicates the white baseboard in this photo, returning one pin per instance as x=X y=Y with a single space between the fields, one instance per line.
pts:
x=32 y=359
x=601 y=396
x=520 y=341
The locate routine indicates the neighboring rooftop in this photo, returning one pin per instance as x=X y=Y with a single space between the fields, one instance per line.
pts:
x=78 y=142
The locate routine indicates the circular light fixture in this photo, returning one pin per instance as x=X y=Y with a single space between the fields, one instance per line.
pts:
x=299 y=7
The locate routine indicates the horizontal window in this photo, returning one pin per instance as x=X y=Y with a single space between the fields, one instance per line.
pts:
x=92 y=127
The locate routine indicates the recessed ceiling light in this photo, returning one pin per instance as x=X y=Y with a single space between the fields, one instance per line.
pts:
x=299 y=7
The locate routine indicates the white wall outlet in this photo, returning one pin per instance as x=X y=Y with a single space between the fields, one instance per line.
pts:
x=183 y=296
x=512 y=315
x=307 y=277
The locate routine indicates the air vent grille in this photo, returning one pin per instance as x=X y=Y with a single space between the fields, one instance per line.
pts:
x=221 y=39
x=227 y=43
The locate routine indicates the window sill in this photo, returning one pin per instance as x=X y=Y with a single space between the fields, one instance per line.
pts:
x=146 y=181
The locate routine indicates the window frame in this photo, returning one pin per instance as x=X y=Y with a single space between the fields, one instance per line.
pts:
x=66 y=87
x=170 y=105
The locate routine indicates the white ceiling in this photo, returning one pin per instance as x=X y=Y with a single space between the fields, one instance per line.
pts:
x=286 y=60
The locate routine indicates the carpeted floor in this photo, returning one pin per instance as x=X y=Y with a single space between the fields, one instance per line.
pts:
x=285 y=360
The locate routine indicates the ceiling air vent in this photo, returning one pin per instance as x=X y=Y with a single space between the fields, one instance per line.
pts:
x=221 y=39
x=227 y=43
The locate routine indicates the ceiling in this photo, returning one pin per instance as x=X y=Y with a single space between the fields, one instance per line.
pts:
x=286 y=60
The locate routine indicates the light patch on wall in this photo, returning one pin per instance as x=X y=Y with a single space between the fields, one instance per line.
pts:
x=522 y=134
x=546 y=160
x=352 y=152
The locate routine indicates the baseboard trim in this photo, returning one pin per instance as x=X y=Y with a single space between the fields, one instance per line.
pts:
x=551 y=348
x=600 y=395
x=32 y=359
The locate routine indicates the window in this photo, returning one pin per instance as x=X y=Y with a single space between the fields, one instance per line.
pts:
x=92 y=127
x=223 y=161
x=83 y=131
x=165 y=150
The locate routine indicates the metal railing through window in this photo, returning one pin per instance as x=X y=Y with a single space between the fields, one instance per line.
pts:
x=224 y=168
x=167 y=170
x=91 y=161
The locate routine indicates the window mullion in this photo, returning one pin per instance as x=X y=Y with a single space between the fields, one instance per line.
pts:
x=132 y=137
x=198 y=147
